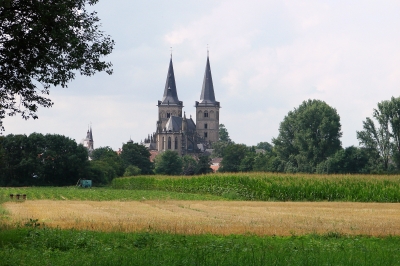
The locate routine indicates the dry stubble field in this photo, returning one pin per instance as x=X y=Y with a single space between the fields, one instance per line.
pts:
x=215 y=217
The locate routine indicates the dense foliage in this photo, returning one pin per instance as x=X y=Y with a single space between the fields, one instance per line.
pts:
x=136 y=155
x=46 y=43
x=233 y=154
x=309 y=142
x=41 y=160
x=308 y=135
x=383 y=139
x=170 y=163
x=106 y=164
x=55 y=160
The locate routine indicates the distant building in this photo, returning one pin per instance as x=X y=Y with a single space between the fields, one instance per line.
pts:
x=174 y=131
x=88 y=141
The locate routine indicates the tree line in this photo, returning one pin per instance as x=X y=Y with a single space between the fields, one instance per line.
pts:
x=56 y=160
x=309 y=142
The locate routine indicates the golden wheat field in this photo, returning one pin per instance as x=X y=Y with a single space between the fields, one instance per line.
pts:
x=214 y=217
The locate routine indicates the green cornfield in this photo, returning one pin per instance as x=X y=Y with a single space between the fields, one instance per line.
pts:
x=274 y=187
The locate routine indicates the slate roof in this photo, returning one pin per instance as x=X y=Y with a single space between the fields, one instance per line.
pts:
x=174 y=124
x=150 y=146
x=191 y=126
x=170 y=94
x=207 y=92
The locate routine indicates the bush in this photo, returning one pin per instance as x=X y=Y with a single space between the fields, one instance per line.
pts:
x=132 y=170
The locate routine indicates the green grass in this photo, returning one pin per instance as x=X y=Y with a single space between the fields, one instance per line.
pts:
x=68 y=247
x=98 y=194
x=275 y=187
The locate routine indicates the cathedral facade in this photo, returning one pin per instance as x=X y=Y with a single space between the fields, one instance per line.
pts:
x=175 y=131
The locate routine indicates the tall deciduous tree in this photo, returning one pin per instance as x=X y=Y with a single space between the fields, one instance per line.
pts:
x=383 y=137
x=308 y=135
x=223 y=134
x=44 y=44
x=222 y=143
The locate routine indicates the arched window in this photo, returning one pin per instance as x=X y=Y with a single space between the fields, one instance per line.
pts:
x=169 y=143
x=176 y=143
x=205 y=113
x=211 y=114
x=205 y=126
x=162 y=145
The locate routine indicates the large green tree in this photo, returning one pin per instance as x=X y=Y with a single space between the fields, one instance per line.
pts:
x=106 y=164
x=43 y=44
x=168 y=163
x=232 y=157
x=308 y=135
x=204 y=165
x=137 y=155
x=381 y=133
x=41 y=160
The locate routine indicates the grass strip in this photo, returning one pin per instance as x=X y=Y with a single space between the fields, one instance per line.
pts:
x=99 y=194
x=44 y=246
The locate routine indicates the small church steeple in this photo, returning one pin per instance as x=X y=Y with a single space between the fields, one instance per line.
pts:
x=88 y=141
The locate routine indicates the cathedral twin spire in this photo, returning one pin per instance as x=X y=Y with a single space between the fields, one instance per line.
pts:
x=170 y=94
x=207 y=93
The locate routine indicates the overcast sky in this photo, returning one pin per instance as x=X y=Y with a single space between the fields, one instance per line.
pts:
x=266 y=57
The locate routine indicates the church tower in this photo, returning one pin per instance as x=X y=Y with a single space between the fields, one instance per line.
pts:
x=207 y=110
x=88 y=141
x=170 y=104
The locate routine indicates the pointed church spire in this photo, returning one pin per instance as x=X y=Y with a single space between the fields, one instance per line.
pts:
x=207 y=92
x=90 y=133
x=170 y=94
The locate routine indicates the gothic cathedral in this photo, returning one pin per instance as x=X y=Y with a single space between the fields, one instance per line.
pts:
x=178 y=133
